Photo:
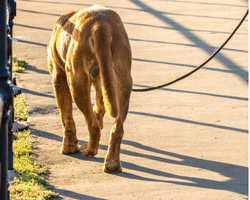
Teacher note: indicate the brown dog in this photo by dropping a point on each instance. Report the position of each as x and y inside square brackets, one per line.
[91, 47]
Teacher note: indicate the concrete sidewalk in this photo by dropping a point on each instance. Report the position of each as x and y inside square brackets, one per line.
[187, 141]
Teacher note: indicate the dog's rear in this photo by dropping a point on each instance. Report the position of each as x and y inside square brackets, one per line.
[91, 47]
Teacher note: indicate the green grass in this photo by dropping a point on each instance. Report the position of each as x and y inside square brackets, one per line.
[30, 183]
[21, 111]
[18, 65]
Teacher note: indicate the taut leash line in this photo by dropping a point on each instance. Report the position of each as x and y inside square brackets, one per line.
[198, 67]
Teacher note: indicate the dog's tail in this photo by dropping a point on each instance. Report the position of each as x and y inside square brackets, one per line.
[101, 42]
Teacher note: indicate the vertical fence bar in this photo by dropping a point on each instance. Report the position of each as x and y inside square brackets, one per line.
[6, 98]
[3, 74]
[12, 13]
[3, 40]
[4, 194]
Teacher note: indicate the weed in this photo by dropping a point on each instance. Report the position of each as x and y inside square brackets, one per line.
[18, 65]
[21, 111]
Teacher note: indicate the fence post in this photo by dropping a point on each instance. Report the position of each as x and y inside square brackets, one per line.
[6, 99]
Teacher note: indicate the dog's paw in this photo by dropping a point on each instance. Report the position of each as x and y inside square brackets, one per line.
[112, 167]
[86, 150]
[69, 150]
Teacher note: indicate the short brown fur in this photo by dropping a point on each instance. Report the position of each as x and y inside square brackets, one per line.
[91, 47]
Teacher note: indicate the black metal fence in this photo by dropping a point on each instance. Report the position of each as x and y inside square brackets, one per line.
[7, 14]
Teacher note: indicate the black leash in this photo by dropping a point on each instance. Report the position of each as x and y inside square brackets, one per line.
[200, 66]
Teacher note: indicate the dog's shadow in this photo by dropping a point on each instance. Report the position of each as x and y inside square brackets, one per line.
[236, 175]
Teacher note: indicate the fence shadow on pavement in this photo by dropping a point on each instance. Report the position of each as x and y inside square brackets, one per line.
[197, 93]
[74, 195]
[37, 93]
[189, 121]
[227, 62]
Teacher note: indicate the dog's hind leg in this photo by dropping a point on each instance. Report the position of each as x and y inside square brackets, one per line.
[112, 160]
[79, 82]
[81, 97]
[99, 109]
[64, 103]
